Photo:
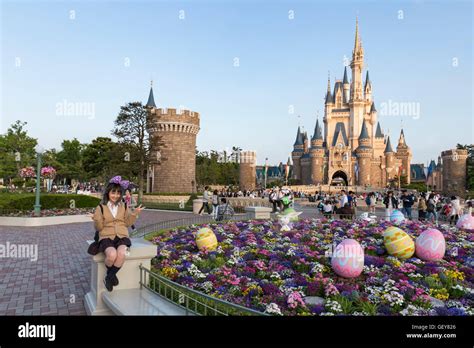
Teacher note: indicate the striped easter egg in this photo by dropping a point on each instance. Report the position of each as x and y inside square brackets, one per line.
[398, 243]
[348, 259]
[430, 245]
[466, 222]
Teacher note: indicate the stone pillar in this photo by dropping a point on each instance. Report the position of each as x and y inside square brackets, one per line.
[141, 252]
[454, 171]
[247, 170]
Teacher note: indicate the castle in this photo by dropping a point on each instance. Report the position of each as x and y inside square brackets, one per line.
[353, 150]
[449, 174]
[174, 167]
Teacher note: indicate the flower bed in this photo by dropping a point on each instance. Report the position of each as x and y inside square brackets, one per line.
[46, 212]
[258, 266]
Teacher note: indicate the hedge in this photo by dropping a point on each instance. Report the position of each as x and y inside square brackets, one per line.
[47, 201]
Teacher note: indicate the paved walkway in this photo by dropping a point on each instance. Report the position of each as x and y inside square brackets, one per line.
[56, 283]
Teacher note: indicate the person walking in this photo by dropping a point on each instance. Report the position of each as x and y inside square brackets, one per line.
[455, 210]
[215, 203]
[391, 203]
[408, 200]
[205, 201]
[422, 208]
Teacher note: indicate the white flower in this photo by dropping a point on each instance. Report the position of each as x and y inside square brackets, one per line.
[275, 275]
[195, 272]
[333, 306]
[272, 308]
[317, 268]
[327, 314]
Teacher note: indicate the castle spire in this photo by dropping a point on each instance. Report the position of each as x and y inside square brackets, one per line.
[364, 134]
[367, 79]
[345, 80]
[299, 137]
[317, 132]
[378, 132]
[388, 147]
[328, 93]
[151, 99]
[401, 140]
[357, 43]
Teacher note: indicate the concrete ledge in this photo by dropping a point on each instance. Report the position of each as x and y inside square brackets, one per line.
[259, 212]
[139, 302]
[42, 221]
[140, 253]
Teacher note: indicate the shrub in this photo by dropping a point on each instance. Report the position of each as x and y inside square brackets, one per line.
[48, 201]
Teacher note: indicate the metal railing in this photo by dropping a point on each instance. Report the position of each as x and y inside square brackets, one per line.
[192, 301]
[144, 231]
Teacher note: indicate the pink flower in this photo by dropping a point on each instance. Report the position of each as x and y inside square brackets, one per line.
[294, 299]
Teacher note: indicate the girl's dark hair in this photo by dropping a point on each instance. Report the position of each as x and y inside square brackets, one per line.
[112, 187]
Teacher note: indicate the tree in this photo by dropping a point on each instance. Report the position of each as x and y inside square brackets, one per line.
[70, 160]
[99, 158]
[131, 131]
[469, 165]
[17, 150]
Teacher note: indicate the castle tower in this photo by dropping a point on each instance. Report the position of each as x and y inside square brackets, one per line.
[390, 163]
[404, 154]
[378, 142]
[317, 156]
[247, 170]
[346, 86]
[368, 89]
[328, 106]
[364, 156]
[176, 167]
[357, 102]
[298, 151]
[454, 171]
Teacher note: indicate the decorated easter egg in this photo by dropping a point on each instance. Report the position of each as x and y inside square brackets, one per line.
[466, 222]
[206, 239]
[430, 245]
[397, 217]
[348, 259]
[398, 243]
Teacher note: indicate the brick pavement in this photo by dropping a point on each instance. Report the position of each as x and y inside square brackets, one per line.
[56, 283]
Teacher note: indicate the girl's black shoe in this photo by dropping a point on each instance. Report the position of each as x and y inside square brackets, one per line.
[115, 280]
[108, 281]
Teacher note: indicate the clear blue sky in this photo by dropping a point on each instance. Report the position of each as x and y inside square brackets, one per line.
[283, 62]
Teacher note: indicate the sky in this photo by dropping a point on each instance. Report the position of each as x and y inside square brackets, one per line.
[254, 70]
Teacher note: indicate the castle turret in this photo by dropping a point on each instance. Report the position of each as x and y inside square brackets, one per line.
[390, 165]
[368, 88]
[357, 102]
[346, 86]
[298, 151]
[329, 104]
[247, 170]
[364, 156]
[317, 156]
[378, 142]
[404, 154]
[175, 168]
[454, 171]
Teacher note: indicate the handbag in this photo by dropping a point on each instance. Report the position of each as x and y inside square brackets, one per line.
[94, 246]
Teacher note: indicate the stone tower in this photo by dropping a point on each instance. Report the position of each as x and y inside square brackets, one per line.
[298, 151]
[247, 170]
[404, 154]
[454, 171]
[317, 156]
[176, 167]
[364, 156]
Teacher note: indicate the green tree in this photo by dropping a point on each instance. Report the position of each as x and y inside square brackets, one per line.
[131, 131]
[17, 150]
[69, 160]
[98, 157]
[470, 165]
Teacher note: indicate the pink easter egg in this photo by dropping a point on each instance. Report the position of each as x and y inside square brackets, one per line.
[466, 222]
[430, 245]
[348, 259]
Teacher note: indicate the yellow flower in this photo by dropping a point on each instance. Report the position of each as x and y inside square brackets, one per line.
[440, 294]
[456, 275]
[169, 272]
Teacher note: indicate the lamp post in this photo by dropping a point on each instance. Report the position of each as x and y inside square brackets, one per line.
[39, 151]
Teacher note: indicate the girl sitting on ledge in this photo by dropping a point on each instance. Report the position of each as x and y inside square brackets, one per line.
[112, 219]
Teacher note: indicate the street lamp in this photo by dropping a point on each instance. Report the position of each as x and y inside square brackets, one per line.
[39, 151]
